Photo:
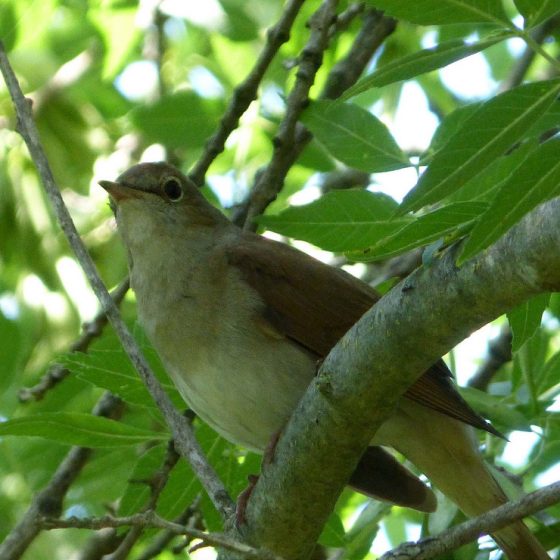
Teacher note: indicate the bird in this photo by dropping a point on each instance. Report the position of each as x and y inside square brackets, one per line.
[240, 323]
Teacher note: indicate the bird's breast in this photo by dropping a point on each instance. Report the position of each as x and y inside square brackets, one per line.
[241, 380]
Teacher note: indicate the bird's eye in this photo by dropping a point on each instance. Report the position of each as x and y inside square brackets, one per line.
[172, 189]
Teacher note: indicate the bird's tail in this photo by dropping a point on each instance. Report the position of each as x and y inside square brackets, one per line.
[446, 451]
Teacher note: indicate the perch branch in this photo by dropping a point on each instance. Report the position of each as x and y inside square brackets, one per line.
[360, 381]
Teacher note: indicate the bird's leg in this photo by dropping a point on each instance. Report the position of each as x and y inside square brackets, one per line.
[243, 498]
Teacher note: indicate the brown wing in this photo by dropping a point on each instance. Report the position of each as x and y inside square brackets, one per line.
[315, 304]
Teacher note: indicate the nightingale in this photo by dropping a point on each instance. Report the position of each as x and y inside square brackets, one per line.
[240, 322]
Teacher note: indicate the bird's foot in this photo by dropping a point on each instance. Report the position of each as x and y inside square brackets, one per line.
[243, 500]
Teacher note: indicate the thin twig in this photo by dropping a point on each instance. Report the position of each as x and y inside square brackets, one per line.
[498, 354]
[189, 518]
[310, 61]
[470, 530]
[345, 18]
[246, 92]
[150, 519]
[101, 543]
[90, 331]
[156, 482]
[50, 499]
[183, 435]
[526, 59]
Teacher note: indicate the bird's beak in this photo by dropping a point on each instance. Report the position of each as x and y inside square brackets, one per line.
[120, 192]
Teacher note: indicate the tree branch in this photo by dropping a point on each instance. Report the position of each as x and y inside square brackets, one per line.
[470, 530]
[269, 181]
[189, 518]
[418, 321]
[310, 61]
[498, 354]
[246, 92]
[150, 519]
[156, 483]
[183, 435]
[520, 69]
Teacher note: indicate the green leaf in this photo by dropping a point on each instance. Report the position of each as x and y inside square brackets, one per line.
[364, 530]
[8, 25]
[238, 25]
[137, 492]
[536, 180]
[485, 185]
[74, 428]
[487, 134]
[354, 136]
[340, 220]
[441, 12]
[180, 120]
[448, 127]
[183, 486]
[422, 230]
[536, 11]
[528, 364]
[120, 34]
[111, 369]
[10, 350]
[333, 532]
[526, 318]
[549, 380]
[421, 62]
[495, 409]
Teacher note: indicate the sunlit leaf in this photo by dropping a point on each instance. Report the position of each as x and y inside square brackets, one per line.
[537, 179]
[354, 136]
[111, 369]
[422, 231]
[420, 62]
[75, 428]
[537, 11]
[487, 134]
[120, 33]
[493, 408]
[440, 12]
[180, 120]
[525, 319]
[340, 220]
[333, 532]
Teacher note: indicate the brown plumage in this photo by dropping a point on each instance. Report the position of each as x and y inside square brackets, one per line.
[240, 322]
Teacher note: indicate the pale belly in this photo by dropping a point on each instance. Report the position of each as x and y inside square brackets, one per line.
[245, 397]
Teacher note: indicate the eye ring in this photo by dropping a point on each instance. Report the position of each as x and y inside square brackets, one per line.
[172, 189]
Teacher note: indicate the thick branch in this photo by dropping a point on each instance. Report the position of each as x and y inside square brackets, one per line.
[362, 378]
[183, 435]
[484, 524]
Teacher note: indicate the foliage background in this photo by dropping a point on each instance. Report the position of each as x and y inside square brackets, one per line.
[73, 58]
